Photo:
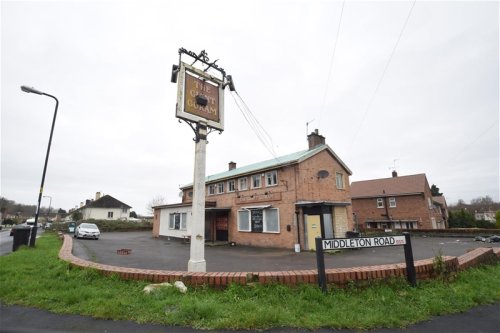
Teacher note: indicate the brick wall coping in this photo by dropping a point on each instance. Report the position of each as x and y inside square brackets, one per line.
[339, 276]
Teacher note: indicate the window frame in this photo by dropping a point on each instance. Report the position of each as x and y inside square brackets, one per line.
[265, 220]
[172, 223]
[271, 178]
[240, 180]
[392, 202]
[220, 188]
[110, 215]
[253, 179]
[211, 189]
[380, 202]
[231, 186]
[339, 176]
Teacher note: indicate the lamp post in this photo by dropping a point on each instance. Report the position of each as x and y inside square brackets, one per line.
[35, 227]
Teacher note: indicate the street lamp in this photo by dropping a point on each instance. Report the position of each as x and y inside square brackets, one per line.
[35, 227]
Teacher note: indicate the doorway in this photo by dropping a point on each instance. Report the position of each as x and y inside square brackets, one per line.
[313, 230]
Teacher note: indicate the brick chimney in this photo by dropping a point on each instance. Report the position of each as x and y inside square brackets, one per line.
[315, 139]
[394, 174]
[232, 165]
[98, 195]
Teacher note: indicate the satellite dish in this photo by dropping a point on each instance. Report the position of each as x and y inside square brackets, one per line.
[323, 174]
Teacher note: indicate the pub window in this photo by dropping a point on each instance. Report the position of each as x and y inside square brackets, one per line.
[272, 178]
[259, 220]
[380, 203]
[256, 181]
[231, 186]
[177, 221]
[339, 180]
[220, 188]
[242, 184]
[211, 189]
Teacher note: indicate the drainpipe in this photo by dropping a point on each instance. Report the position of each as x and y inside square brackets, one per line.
[297, 216]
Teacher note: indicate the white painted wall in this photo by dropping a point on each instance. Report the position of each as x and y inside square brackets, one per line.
[102, 213]
[165, 218]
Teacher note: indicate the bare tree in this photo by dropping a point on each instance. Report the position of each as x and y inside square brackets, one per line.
[158, 200]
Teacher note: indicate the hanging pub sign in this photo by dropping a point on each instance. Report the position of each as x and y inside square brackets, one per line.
[200, 97]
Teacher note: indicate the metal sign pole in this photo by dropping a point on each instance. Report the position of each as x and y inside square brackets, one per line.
[197, 261]
[411, 275]
[320, 260]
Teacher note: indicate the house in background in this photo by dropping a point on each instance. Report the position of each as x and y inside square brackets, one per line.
[104, 208]
[486, 216]
[284, 202]
[400, 202]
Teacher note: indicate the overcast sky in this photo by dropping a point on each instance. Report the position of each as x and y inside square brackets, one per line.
[382, 81]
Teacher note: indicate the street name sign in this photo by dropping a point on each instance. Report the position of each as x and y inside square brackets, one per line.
[356, 243]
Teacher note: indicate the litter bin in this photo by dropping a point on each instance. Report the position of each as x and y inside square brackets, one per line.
[71, 227]
[21, 237]
[352, 234]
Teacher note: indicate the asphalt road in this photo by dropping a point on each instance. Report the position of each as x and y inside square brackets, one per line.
[162, 253]
[6, 241]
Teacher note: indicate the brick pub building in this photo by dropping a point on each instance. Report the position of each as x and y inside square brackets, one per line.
[284, 202]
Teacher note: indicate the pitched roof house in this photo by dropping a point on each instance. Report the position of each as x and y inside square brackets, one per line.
[105, 208]
[283, 202]
[400, 202]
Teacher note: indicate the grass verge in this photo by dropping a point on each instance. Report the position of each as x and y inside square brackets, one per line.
[36, 277]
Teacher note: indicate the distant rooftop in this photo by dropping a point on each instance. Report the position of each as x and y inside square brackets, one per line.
[389, 186]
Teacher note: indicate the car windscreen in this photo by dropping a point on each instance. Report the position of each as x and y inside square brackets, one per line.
[88, 226]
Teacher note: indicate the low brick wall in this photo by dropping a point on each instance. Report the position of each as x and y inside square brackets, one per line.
[339, 276]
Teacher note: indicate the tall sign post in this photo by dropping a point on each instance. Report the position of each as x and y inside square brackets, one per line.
[200, 103]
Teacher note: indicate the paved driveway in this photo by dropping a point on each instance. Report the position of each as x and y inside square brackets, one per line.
[162, 253]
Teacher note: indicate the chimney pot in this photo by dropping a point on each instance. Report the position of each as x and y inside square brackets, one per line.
[315, 139]
[394, 174]
[97, 195]
[232, 165]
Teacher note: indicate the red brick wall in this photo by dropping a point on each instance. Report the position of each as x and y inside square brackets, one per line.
[414, 207]
[156, 223]
[338, 276]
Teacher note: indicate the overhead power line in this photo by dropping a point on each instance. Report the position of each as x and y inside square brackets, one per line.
[254, 124]
[372, 98]
[331, 63]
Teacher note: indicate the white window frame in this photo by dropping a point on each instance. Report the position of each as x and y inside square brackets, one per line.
[392, 202]
[110, 215]
[339, 180]
[271, 178]
[182, 221]
[239, 221]
[265, 226]
[255, 178]
[211, 189]
[243, 181]
[380, 202]
[231, 185]
[220, 188]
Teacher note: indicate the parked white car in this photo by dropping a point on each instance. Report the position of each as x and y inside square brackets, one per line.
[87, 230]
